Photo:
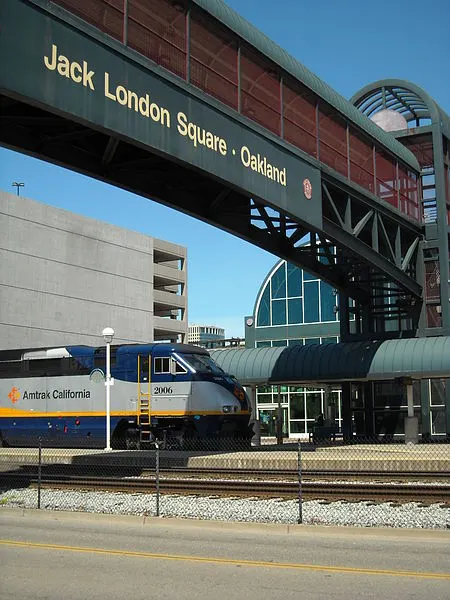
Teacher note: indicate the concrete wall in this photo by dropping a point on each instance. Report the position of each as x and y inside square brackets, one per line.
[63, 278]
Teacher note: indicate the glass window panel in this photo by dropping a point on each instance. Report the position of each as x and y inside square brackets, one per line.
[330, 340]
[157, 29]
[432, 280]
[265, 398]
[213, 60]
[264, 344]
[333, 142]
[389, 394]
[295, 311]
[389, 422]
[264, 388]
[263, 316]
[267, 422]
[413, 195]
[434, 318]
[106, 15]
[327, 303]
[299, 114]
[309, 276]
[386, 178]
[297, 406]
[437, 420]
[297, 426]
[278, 282]
[437, 392]
[260, 91]
[311, 341]
[296, 388]
[296, 342]
[278, 343]
[294, 280]
[278, 312]
[361, 161]
[311, 300]
[313, 404]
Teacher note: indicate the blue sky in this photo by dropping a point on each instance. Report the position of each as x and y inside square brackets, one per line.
[348, 45]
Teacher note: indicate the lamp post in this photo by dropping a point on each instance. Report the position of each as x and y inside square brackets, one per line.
[18, 185]
[108, 334]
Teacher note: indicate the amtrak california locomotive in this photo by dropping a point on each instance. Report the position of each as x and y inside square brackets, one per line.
[159, 391]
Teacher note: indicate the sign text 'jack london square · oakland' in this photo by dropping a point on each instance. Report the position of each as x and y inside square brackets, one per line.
[66, 70]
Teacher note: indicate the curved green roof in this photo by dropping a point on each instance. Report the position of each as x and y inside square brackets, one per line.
[436, 113]
[245, 30]
[418, 358]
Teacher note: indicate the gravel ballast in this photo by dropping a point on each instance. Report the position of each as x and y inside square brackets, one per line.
[357, 514]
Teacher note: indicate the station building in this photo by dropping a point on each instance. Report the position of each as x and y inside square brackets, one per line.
[64, 277]
[293, 307]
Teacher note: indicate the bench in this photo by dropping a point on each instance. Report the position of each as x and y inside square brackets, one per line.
[322, 433]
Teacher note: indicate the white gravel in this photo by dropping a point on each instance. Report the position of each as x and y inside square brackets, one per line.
[358, 514]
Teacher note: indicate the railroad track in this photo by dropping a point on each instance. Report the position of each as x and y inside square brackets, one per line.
[118, 471]
[351, 491]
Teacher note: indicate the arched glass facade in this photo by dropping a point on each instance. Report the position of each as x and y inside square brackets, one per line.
[291, 296]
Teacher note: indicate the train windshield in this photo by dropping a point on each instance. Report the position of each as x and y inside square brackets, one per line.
[201, 363]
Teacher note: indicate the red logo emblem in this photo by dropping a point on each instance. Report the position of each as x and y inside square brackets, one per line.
[307, 189]
[14, 395]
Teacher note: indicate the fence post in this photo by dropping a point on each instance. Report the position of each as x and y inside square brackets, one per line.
[157, 475]
[39, 473]
[300, 500]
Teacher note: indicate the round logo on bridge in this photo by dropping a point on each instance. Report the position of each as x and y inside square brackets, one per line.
[307, 189]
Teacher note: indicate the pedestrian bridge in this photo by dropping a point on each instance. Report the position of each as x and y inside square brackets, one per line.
[186, 103]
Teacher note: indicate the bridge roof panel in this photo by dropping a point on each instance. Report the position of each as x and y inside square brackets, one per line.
[246, 31]
[417, 358]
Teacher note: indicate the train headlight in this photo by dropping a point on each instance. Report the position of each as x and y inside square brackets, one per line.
[239, 393]
[227, 408]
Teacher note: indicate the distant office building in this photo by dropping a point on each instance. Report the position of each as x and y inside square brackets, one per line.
[64, 277]
[201, 334]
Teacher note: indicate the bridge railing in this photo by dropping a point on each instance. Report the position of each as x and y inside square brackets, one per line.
[204, 52]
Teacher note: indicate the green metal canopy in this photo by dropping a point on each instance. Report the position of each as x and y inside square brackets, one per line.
[417, 358]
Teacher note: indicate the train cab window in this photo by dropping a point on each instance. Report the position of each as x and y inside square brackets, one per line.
[178, 368]
[100, 357]
[162, 365]
[11, 368]
[45, 367]
[144, 366]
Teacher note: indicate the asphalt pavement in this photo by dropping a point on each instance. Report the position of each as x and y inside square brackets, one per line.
[53, 555]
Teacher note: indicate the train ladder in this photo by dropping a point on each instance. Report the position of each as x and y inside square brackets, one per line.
[144, 398]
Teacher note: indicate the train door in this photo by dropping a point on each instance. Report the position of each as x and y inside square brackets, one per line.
[144, 412]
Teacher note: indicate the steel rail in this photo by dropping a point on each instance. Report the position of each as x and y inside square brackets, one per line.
[101, 470]
[324, 490]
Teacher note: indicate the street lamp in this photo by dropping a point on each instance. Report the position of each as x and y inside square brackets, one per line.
[108, 334]
[18, 185]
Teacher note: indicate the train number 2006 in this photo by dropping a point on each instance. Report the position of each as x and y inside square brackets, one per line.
[162, 390]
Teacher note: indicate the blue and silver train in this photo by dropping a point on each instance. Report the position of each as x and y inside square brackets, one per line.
[171, 392]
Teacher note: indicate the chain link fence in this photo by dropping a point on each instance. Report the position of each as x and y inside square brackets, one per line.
[322, 481]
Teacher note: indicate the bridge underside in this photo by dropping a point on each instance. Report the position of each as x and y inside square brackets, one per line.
[366, 251]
